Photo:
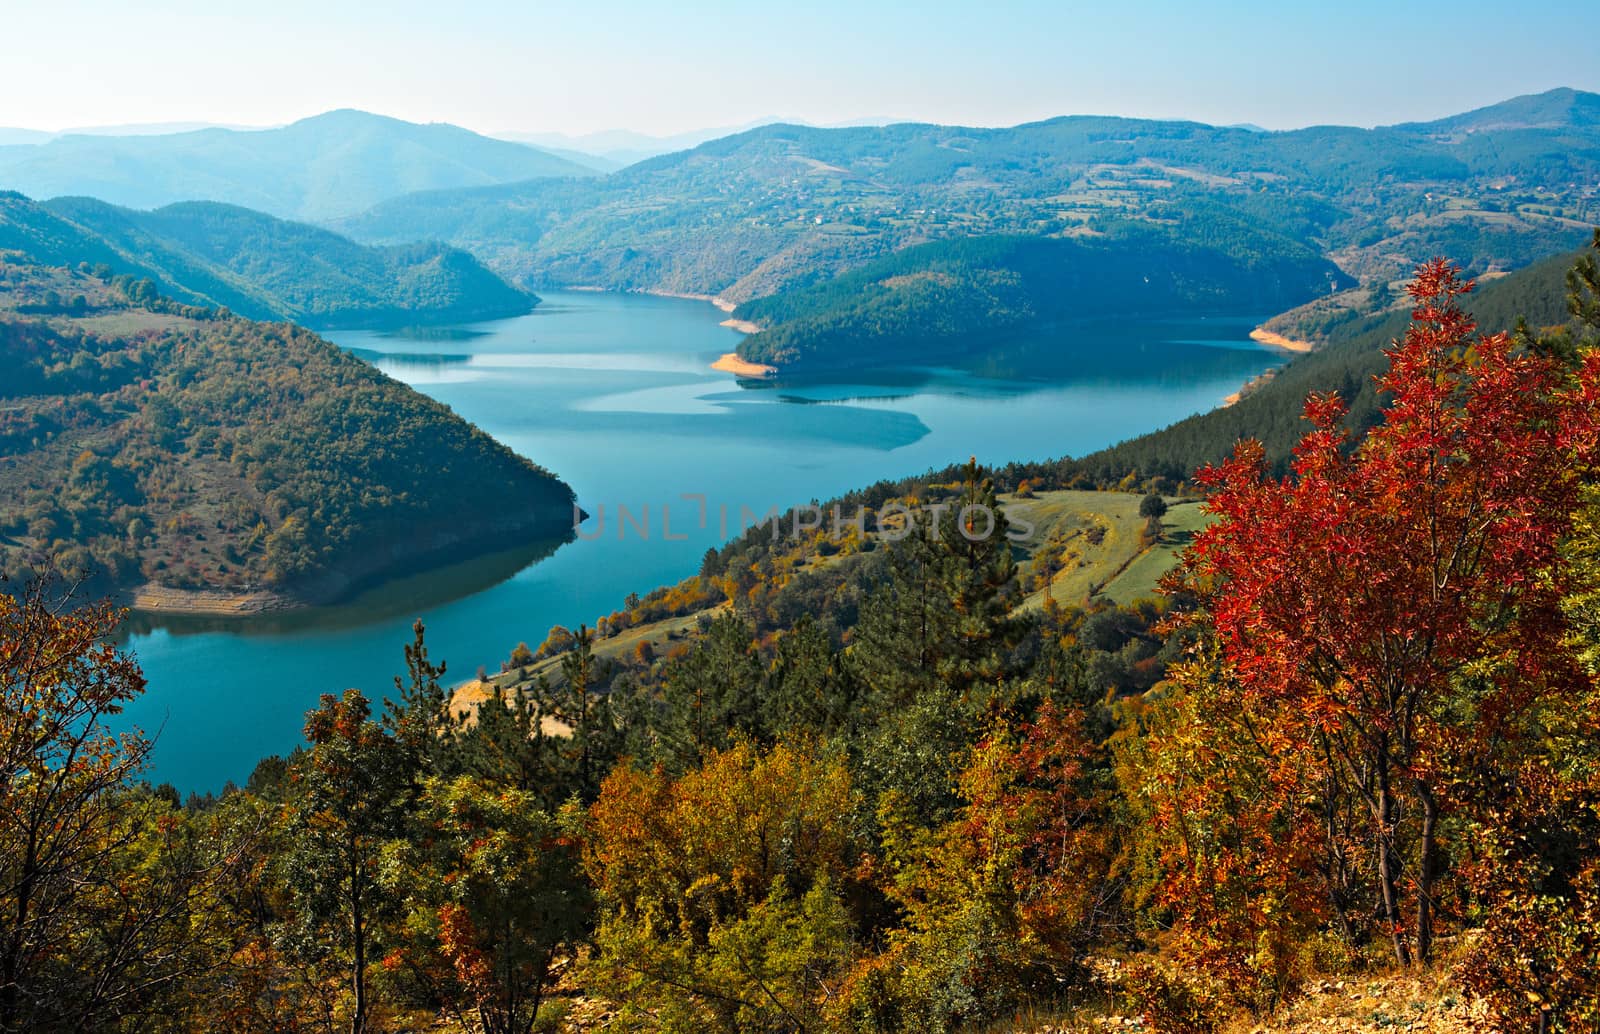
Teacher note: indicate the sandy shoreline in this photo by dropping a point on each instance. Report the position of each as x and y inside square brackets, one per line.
[1266, 337]
[1262, 336]
[163, 599]
[742, 326]
[731, 363]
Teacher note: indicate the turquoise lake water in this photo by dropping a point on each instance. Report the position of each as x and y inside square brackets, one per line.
[614, 394]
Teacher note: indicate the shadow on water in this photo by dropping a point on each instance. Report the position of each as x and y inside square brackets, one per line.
[373, 600]
[415, 360]
[433, 333]
[1158, 353]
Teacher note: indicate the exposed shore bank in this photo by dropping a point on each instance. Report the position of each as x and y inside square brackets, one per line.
[164, 599]
[1251, 386]
[1263, 336]
[421, 550]
[731, 363]
[717, 300]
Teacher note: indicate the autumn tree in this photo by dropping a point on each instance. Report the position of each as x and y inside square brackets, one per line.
[1535, 851]
[107, 904]
[1389, 610]
[1215, 850]
[724, 893]
[352, 790]
[492, 894]
[1001, 903]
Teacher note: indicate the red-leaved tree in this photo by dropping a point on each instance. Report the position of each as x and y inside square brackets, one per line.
[1389, 611]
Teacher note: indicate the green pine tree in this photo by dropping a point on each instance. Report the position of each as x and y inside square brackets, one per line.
[716, 691]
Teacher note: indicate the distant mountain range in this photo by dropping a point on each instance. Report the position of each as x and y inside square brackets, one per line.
[333, 165]
[215, 255]
[781, 206]
[1552, 110]
[618, 148]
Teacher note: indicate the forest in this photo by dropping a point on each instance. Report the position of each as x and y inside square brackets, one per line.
[1530, 302]
[222, 256]
[143, 440]
[1356, 733]
[941, 299]
[782, 207]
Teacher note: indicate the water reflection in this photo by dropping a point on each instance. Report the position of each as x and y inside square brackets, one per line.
[378, 599]
[417, 360]
[615, 395]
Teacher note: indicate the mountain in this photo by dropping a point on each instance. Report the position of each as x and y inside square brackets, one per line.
[204, 253]
[169, 450]
[618, 148]
[334, 164]
[781, 205]
[1554, 109]
[149, 129]
[933, 300]
[23, 137]
[623, 147]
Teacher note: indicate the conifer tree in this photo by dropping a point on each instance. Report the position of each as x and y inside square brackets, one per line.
[590, 748]
[807, 690]
[420, 719]
[943, 617]
[713, 692]
[507, 746]
[354, 787]
[978, 585]
[905, 626]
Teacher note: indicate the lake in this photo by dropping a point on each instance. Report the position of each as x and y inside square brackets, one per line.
[614, 394]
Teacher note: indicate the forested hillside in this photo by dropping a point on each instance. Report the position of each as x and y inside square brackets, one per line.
[1273, 413]
[330, 165]
[781, 206]
[935, 299]
[144, 441]
[1352, 747]
[260, 267]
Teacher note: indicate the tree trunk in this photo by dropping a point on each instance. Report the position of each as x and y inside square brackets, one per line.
[1336, 869]
[1387, 863]
[15, 942]
[358, 929]
[1426, 851]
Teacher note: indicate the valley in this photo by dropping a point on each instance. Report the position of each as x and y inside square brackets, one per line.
[1063, 574]
[614, 393]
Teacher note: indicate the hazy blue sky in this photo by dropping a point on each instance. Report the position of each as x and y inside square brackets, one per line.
[570, 66]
